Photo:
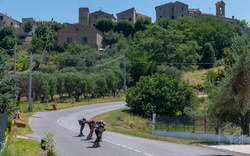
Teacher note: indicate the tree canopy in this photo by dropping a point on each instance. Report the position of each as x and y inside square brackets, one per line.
[230, 94]
[28, 26]
[7, 90]
[7, 37]
[125, 27]
[160, 94]
[105, 25]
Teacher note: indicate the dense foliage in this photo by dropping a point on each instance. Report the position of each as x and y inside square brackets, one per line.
[79, 71]
[7, 90]
[43, 38]
[105, 25]
[7, 37]
[28, 26]
[229, 90]
[185, 43]
[160, 94]
[141, 23]
[125, 27]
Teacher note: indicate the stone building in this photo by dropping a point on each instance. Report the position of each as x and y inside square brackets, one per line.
[220, 12]
[81, 34]
[130, 15]
[194, 12]
[220, 9]
[20, 30]
[84, 16]
[93, 17]
[172, 10]
[87, 18]
[6, 20]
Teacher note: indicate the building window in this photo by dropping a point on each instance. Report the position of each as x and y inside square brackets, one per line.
[107, 17]
[182, 9]
[172, 17]
[11, 24]
[129, 19]
[93, 25]
[160, 9]
[160, 16]
[182, 15]
[84, 39]
[1, 17]
[77, 29]
[69, 39]
[172, 9]
[95, 16]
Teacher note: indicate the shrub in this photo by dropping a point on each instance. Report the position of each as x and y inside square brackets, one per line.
[161, 94]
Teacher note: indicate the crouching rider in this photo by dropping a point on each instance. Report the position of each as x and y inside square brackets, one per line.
[91, 124]
[82, 124]
[98, 131]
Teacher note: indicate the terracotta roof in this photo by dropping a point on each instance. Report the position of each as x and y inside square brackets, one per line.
[126, 10]
[10, 18]
[170, 3]
[207, 14]
[103, 12]
[86, 26]
[143, 15]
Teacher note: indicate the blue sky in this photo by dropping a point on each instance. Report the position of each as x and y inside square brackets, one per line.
[67, 10]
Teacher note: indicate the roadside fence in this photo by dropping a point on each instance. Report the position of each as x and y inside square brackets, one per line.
[198, 128]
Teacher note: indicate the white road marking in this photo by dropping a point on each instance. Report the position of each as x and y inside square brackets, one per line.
[59, 122]
[124, 146]
[137, 151]
[147, 154]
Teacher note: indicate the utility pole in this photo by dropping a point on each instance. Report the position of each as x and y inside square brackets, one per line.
[30, 80]
[124, 81]
[50, 32]
[15, 69]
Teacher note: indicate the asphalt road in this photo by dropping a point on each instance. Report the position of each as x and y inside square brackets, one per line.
[64, 125]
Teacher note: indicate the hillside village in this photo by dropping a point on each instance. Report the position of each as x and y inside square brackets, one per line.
[183, 78]
[83, 34]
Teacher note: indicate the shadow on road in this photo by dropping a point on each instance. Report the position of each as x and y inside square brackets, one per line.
[217, 155]
[78, 136]
[92, 147]
[205, 142]
[89, 141]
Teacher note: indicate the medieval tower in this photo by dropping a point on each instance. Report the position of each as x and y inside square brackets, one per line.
[84, 16]
[220, 8]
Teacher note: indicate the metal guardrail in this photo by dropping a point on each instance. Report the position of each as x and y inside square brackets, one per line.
[3, 128]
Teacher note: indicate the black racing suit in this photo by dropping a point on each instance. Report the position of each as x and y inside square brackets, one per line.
[98, 131]
[82, 127]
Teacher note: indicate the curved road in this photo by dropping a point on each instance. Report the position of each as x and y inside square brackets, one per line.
[64, 125]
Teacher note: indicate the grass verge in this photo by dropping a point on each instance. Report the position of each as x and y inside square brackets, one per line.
[121, 121]
[20, 147]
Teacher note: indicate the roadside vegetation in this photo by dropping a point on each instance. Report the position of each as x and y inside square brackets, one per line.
[210, 53]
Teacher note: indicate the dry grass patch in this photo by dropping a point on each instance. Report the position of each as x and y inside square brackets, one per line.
[198, 76]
